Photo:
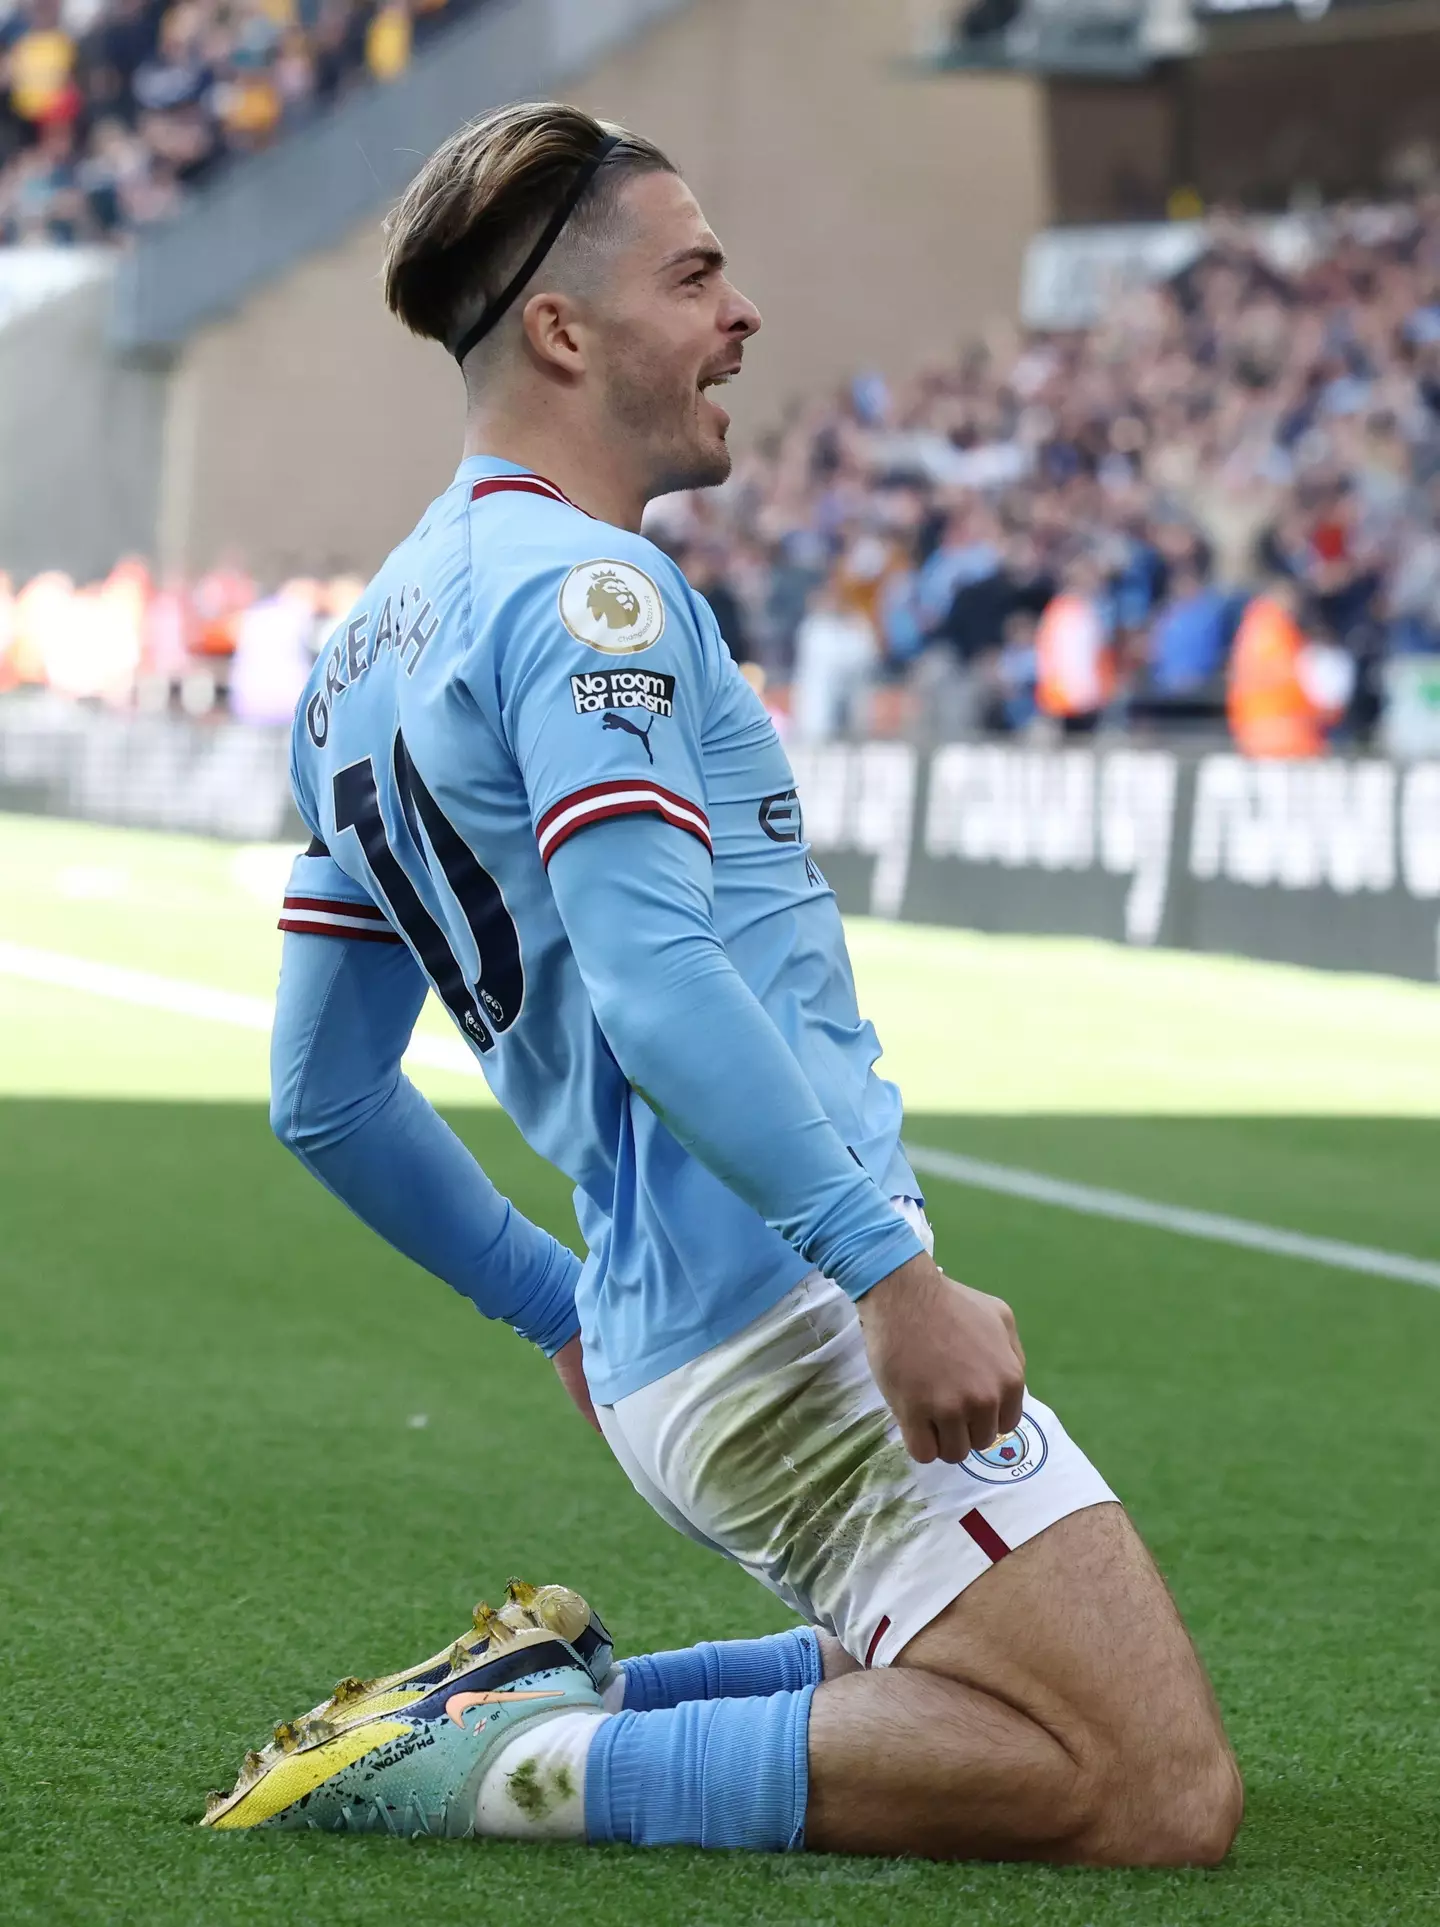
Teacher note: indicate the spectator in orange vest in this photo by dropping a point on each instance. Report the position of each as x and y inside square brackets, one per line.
[219, 599]
[1074, 659]
[1282, 694]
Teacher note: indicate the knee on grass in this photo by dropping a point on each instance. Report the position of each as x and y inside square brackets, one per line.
[1154, 1801]
[1164, 1806]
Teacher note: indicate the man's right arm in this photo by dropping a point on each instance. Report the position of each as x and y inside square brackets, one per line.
[691, 1037]
[634, 895]
[621, 822]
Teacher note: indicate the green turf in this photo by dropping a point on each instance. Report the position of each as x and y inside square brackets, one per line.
[215, 1501]
[971, 1024]
[214, 1498]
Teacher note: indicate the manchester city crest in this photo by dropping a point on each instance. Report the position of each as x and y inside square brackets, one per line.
[1013, 1456]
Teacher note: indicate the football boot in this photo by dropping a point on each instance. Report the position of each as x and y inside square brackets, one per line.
[414, 1770]
[532, 1617]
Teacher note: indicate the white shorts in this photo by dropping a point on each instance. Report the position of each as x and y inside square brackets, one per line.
[777, 1449]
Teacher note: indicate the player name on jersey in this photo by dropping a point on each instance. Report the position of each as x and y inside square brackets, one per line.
[623, 689]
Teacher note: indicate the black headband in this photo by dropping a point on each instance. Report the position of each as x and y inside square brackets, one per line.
[479, 329]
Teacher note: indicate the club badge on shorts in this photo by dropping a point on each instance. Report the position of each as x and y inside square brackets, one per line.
[613, 607]
[1014, 1456]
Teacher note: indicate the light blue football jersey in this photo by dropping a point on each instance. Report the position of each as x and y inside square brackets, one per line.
[516, 673]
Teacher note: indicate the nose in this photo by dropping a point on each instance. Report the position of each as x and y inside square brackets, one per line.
[741, 318]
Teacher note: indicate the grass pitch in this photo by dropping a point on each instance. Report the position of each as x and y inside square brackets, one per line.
[245, 1449]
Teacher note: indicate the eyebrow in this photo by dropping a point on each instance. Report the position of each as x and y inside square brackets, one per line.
[711, 254]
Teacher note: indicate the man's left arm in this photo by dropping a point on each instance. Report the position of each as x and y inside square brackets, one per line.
[341, 1103]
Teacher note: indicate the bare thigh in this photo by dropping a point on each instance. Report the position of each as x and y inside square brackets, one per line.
[1056, 1710]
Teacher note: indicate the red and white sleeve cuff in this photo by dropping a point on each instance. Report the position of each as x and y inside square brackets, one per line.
[336, 917]
[632, 797]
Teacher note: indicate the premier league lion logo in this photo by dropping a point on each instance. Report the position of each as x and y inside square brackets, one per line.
[612, 600]
[612, 606]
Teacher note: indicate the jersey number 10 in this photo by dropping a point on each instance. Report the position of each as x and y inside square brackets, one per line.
[492, 1003]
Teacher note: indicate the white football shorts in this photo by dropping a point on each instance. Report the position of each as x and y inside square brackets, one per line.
[777, 1449]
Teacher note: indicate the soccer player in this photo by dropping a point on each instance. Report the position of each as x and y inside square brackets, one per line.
[537, 783]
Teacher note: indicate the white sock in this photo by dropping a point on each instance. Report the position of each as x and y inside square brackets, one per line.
[613, 1697]
[535, 1788]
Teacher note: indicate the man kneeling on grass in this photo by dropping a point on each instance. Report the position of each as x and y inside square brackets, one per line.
[536, 782]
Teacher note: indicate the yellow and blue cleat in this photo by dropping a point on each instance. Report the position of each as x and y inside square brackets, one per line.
[405, 1754]
[530, 1613]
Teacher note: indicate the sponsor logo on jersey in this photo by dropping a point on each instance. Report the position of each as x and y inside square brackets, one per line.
[613, 607]
[613, 721]
[780, 817]
[783, 821]
[601, 689]
[1014, 1456]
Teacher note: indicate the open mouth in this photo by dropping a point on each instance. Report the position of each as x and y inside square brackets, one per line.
[707, 383]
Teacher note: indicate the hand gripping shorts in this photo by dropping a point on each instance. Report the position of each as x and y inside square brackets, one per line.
[777, 1449]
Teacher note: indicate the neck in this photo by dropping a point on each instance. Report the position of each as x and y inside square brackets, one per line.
[574, 455]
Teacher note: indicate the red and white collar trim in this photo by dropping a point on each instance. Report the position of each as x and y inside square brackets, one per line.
[520, 485]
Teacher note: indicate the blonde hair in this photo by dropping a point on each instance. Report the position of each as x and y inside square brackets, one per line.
[463, 225]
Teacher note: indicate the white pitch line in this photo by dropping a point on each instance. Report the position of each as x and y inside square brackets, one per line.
[1095, 1202]
[56, 970]
[176, 998]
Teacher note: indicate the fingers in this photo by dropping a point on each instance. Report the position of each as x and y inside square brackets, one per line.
[951, 1368]
[982, 1423]
[1012, 1332]
[1012, 1397]
[955, 1445]
[1019, 1368]
[1012, 1406]
[920, 1440]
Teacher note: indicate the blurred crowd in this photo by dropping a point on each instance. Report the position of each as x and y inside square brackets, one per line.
[1223, 498]
[111, 111]
[1218, 508]
[222, 644]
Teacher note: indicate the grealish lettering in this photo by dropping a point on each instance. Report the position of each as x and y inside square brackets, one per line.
[360, 646]
[423, 625]
[384, 630]
[355, 659]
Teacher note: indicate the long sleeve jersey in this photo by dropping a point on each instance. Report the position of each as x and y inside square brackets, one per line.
[528, 757]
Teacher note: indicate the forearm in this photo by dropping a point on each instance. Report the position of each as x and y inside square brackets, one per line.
[404, 1173]
[698, 1046]
[341, 1104]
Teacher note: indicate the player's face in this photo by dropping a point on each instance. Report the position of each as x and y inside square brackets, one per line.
[672, 330]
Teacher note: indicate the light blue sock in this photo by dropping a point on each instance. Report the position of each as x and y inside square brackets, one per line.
[711, 1773]
[731, 1669]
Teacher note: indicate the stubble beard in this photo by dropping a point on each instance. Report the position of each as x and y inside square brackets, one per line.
[659, 419]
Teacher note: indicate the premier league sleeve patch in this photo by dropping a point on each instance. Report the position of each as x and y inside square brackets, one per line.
[613, 607]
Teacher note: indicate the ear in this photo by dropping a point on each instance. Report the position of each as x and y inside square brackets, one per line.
[552, 333]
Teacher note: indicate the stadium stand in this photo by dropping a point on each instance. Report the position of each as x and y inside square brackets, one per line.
[1078, 527]
[1074, 532]
[113, 111]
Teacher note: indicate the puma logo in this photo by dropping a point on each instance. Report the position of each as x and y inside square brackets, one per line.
[459, 1704]
[615, 721]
